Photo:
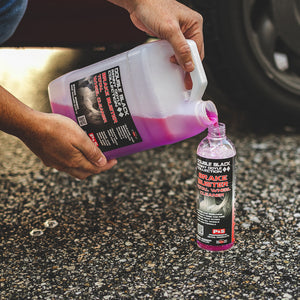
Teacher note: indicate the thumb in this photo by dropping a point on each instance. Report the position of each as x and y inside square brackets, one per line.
[92, 152]
[182, 51]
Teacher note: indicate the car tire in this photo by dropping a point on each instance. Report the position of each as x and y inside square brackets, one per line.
[243, 41]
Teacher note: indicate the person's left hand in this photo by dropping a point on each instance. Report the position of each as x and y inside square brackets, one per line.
[60, 143]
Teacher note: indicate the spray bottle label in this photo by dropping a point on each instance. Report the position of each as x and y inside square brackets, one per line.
[101, 110]
[215, 201]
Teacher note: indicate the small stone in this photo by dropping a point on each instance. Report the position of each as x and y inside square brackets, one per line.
[99, 283]
[151, 264]
[198, 292]
[36, 232]
[39, 177]
[188, 271]
[254, 218]
[190, 181]
[69, 268]
[287, 296]
[50, 223]
[261, 146]
[279, 267]
[171, 193]
[246, 225]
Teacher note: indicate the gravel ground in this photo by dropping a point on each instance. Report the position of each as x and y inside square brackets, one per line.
[129, 233]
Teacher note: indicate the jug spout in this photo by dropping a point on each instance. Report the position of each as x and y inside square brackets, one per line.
[206, 112]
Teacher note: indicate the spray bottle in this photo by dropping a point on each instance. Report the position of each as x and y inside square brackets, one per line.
[215, 190]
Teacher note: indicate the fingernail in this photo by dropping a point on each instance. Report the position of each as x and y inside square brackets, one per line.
[101, 162]
[189, 66]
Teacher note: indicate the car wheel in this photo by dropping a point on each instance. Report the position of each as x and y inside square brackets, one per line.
[253, 50]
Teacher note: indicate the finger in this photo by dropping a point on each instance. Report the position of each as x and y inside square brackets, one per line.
[182, 51]
[187, 77]
[202, 55]
[173, 60]
[86, 166]
[97, 170]
[79, 174]
[202, 52]
[92, 153]
[188, 81]
[83, 173]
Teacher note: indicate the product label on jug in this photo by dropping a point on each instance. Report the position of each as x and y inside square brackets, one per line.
[215, 207]
[101, 110]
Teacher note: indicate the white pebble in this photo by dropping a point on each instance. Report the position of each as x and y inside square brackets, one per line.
[254, 219]
[246, 225]
[36, 232]
[50, 223]
[287, 296]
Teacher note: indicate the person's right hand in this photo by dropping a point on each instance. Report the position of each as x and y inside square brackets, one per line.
[60, 143]
[172, 21]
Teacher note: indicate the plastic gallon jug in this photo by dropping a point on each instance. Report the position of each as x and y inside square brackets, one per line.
[136, 100]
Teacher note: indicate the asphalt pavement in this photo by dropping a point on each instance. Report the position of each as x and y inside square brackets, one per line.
[129, 233]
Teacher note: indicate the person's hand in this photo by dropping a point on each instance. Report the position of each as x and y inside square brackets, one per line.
[172, 21]
[57, 140]
[60, 143]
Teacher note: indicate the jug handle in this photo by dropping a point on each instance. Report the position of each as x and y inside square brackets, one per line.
[198, 74]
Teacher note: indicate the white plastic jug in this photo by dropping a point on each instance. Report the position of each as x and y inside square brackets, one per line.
[135, 100]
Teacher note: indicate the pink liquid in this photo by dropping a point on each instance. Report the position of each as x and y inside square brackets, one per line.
[219, 153]
[215, 120]
[214, 248]
[155, 132]
[65, 110]
[213, 117]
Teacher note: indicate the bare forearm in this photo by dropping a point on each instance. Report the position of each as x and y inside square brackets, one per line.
[57, 140]
[169, 20]
[16, 118]
[127, 4]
